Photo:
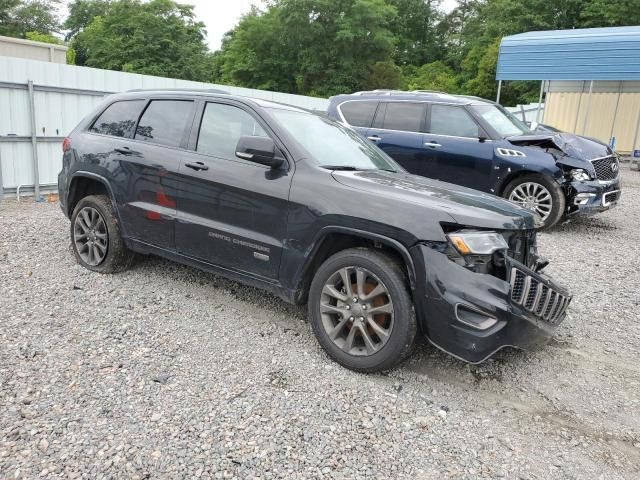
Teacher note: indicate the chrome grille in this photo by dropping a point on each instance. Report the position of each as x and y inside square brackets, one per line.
[606, 168]
[538, 298]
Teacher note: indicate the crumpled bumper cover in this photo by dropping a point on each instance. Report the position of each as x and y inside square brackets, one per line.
[443, 287]
[592, 196]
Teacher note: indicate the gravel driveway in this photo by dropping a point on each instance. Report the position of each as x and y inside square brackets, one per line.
[167, 372]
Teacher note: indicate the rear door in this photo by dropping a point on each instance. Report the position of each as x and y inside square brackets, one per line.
[149, 165]
[141, 140]
[397, 129]
[456, 148]
[231, 212]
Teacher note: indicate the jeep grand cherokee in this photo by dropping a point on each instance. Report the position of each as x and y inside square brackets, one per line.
[299, 205]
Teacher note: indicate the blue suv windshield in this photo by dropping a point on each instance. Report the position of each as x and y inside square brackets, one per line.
[332, 145]
[501, 120]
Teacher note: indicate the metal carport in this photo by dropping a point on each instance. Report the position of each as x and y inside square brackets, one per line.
[578, 68]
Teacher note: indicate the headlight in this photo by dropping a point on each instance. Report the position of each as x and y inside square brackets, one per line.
[477, 243]
[580, 175]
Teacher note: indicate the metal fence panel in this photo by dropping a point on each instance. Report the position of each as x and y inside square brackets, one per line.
[63, 95]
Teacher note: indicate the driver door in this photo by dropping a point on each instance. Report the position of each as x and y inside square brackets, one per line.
[231, 212]
[456, 148]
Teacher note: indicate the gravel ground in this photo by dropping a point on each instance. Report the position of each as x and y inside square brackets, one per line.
[167, 372]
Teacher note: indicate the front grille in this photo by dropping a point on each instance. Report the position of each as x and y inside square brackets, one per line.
[538, 298]
[606, 168]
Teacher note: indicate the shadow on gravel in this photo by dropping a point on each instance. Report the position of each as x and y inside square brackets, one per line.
[576, 224]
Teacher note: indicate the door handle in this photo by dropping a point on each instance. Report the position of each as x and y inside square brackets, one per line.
[197, 166]
[374, 138]
[432, 144]
[123, 150]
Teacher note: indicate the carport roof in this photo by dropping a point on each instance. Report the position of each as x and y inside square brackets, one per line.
[581, 54]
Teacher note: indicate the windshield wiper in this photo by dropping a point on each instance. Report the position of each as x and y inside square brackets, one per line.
[343, 167]
[350, 168]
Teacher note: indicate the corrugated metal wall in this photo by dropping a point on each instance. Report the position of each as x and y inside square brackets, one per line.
[63, 95]
[567, 105]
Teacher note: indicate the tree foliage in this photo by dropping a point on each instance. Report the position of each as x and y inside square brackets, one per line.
[159, 37]
[19, 17]
[316, 47]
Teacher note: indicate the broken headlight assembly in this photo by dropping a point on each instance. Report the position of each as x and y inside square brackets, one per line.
[481, 252]
[579, 175]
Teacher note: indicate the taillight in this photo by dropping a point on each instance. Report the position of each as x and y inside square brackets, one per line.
[66, 144]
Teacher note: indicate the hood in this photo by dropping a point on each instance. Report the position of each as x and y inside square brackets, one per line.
[465, 206]
[569, 144]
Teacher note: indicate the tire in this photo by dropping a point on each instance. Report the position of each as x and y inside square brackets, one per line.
[103, 231]
[530, 187]
[391, 341]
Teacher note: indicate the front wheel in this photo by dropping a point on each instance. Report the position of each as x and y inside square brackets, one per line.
[360, 310]
[540, 194]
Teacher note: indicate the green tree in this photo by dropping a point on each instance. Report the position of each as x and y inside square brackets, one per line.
[385, 75]
[82, 13]
[17, 17]
[418, 41]
[160, 37]
[313, 47]
[611, 13]
[436, 76]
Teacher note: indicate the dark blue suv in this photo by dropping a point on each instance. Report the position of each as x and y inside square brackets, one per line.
[476, 143]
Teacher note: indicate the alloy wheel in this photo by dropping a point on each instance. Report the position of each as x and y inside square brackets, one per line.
[90, 236]
[533, 196]
[356, 311]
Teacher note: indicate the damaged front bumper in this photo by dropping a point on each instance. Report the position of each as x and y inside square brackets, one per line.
[593, 196]
[472, 315]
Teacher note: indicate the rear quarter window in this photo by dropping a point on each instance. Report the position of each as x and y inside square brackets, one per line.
[359, 113]
[119, 119]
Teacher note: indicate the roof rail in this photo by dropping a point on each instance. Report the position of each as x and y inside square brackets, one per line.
[207, 90]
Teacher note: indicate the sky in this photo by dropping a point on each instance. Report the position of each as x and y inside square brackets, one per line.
[220, 16]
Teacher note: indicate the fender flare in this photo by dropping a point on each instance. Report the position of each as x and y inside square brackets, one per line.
[99, 178]
[324, 231]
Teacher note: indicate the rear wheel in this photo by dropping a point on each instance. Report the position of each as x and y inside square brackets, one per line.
[95, 236]
[360, 310]
[540, 194]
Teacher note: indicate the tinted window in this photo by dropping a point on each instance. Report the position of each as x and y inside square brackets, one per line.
[119, 119]
[404, 116]
[164, 122]
[359, 114]
[454, 121]
[222, 126]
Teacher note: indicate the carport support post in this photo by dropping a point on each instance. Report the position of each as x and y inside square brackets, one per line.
[540, 101]
[635, 137]
[499, 90]
[615, 112]
[34, 143]
[586, 113]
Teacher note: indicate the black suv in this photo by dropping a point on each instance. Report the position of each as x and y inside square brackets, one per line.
[301, 206]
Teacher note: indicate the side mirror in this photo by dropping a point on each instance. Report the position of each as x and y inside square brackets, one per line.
[261, 150]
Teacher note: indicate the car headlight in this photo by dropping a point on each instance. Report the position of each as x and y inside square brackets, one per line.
[477, 243]
[580, 175]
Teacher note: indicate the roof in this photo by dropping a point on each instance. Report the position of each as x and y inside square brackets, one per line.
[209, 92]
[581, 54]
[395, 95]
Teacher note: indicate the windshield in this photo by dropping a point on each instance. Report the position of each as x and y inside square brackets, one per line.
[501, 120]
[330, 144]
